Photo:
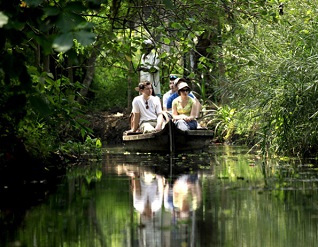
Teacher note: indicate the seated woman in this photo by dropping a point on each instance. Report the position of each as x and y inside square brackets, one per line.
[184, 109]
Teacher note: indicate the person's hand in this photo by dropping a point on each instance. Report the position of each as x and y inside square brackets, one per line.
[158, 128]
[187, 119]
[184, 117]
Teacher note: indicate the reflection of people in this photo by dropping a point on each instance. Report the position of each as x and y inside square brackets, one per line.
[184, 109]
[147, 111]
[149, 66]
[148, 191]
[184, 197]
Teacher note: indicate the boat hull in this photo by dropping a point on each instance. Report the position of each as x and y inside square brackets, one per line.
[170, 139]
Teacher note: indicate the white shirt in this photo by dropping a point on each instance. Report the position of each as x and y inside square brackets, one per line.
[139, 106]
[151, 60]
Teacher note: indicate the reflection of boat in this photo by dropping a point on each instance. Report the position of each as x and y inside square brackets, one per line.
[170, 138]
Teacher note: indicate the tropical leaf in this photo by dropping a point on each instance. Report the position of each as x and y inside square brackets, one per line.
[63, 43]
[84, 37]
[3, 19]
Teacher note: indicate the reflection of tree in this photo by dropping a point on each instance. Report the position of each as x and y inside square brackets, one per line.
[86, 213]
[96, 223]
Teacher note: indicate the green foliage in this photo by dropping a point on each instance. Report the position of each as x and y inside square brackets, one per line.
[91, 149]
[39, 109]
[223, 122]
[109, 91]
[254, 60]
[274, 78]
[52, 114]
[68, 22]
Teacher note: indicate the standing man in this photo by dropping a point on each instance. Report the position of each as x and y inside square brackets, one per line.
[147, 111]
[149, 69]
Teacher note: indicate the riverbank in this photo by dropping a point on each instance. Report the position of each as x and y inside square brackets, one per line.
[109, 126]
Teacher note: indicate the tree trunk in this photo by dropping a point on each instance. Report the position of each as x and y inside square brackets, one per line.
[88, 77]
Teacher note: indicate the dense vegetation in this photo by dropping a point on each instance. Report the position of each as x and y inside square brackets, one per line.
[252, 64]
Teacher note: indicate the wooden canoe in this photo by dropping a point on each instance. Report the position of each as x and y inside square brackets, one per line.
[170, 139]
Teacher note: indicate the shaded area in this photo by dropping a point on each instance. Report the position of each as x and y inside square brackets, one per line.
[24, 185]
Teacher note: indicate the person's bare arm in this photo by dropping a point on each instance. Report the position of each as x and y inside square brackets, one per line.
[159, 122]
[194, 111]
[135, 123]
[175, 114]
[198, 108]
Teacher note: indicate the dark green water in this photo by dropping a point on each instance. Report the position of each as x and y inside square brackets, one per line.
[225, 197]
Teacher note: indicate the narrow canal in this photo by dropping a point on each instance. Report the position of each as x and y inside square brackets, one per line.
[226, 196]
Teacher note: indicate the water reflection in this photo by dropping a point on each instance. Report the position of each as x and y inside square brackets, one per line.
[165, 207]
[182, 199]
[227, 197]
[147, 190]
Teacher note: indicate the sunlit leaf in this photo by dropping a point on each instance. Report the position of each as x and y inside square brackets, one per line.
[128, 58]
[3, 19]
[63, 42]
[98, 143]
[175, 25]
[163, 55]
[98, 174]
[166, 41]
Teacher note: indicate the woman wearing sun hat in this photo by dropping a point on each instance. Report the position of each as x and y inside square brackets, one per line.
[184, 109]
